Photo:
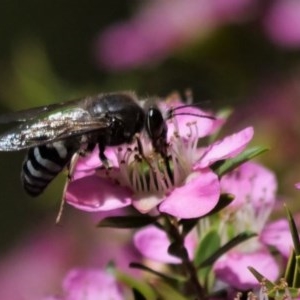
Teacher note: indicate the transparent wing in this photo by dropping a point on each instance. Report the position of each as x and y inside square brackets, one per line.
[32, 113]
[54, 126]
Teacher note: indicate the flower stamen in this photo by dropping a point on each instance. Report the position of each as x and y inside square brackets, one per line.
[149, 173]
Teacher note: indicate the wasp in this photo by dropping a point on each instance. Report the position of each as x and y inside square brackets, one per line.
[53, 134]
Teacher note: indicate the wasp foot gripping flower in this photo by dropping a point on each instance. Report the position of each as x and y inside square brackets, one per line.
[254, 188]
[180, 184]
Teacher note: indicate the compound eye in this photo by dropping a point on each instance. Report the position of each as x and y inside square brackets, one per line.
[155, 123]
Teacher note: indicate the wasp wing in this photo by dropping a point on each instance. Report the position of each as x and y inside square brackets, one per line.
[51, 127]
[32, 113]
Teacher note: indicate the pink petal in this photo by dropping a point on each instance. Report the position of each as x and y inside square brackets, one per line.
[233, 10]
[36, 264]
[91, 284]
[89, 161]
[205, 126]
[146, 203]
[93, 193]
[81, 174]
[251, 181]
[162, 27]
[188, 114]
[92, 161]
[198, 196]
[87, 165]
[153, 243]
[297, 185]
[278, 234]
[229, 147]
[152, 33]
[282, 23]
[232, 268]
[264, 185]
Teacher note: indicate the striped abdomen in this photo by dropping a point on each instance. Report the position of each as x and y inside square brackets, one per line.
[42, 164]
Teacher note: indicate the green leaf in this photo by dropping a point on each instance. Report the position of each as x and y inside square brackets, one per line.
[290, 269]
[293, 271]
[171, 278]
[208, 245]
[127, 221]
[280, 293]
[140, 286]
[232, 163]
[296, 279]
[294, 292]
[137, 295]
[294, 231]
[225, 248]
[216, 165]
[206, 278]
[165, 291]
[260, 278]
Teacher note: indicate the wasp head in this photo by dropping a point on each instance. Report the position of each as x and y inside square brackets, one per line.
[156, 129]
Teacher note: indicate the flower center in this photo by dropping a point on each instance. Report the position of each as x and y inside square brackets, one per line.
[146, 171]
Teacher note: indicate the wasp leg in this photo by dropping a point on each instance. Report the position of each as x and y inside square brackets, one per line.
[168, 167]
[166, 158]
[71, 168]
[141, 151]
[102, 155]
[88, 149]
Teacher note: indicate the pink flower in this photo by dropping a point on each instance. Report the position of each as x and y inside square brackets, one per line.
[37, 264]
[252, 185]
[277, 234]
[34, 268]
[153, 243]
[282, 23]
[255, 190]
[147, 184]
[89, 284]
[232, 268]
[161, 27]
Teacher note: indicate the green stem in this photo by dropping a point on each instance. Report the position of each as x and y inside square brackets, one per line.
[177, 239]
